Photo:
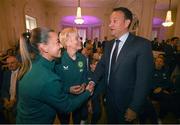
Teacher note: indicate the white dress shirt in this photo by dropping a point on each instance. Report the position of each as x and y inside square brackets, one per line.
[122, 39]
[12, 89]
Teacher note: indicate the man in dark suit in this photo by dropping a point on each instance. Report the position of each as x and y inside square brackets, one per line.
[103, 42]
[170, 50]
[96, 44]
[8, 91]
[127, 66]
[2, 119]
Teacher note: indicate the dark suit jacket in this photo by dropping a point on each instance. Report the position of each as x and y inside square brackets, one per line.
[1, 75]
[5, 89]
[132, 75]
[6, 84]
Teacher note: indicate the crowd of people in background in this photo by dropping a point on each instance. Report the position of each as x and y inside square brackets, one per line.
[165, 87]
[169, 48]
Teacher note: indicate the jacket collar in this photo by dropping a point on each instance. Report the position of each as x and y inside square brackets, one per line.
[48, 64]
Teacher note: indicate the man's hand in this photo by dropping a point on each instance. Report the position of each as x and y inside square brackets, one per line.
[9, 103]
[130, 115]
[6, 103]
[166, 92]
[90, 87]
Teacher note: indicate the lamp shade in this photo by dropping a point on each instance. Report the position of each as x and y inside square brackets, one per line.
[79, 19]
[168, 22]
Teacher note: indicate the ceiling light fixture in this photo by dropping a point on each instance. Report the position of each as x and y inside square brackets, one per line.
[168, 22]
[79, 19]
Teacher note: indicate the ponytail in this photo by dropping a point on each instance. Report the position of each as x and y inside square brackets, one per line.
[29, 47]
[25, 57]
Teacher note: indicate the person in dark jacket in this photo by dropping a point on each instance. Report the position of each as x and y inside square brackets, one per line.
[127, 67]
[161, 87]
[94, 102]
[8, 91]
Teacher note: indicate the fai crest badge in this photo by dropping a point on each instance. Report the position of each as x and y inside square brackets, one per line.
[80, 64]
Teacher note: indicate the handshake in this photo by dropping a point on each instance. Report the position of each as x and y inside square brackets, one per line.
[78, 89]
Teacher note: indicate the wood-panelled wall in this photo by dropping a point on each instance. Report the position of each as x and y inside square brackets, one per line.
[12, 19]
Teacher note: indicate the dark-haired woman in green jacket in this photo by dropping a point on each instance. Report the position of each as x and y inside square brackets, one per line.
[40, 90]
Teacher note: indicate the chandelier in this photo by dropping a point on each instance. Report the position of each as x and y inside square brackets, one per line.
[79, 19]
[168, 22]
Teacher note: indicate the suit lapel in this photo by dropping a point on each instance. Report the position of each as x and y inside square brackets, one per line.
[123, 53]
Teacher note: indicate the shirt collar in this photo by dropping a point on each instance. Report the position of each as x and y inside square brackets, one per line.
[14, 71]
[67, 56]
[124, 37]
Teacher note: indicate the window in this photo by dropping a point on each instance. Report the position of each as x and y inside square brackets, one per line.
[95, 32]
[30, 22]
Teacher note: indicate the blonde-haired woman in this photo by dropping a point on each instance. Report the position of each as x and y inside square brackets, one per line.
[40, 92]
[73, 70]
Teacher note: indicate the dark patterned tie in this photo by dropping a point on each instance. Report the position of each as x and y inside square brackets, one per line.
[114, 56]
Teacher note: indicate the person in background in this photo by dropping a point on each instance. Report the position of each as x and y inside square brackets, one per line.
[2, 117]
[40, 89]
[8, 91]
[1, 75]
[127, 66]
[161, 87]
[98, 54]
[87, 53]
[96, 44]
[81, 39]
[161, 78]
[95, 100]
[157, 45]
[1, 70]
[170, 53]
[73, 71]
[104, 41]
[1, 105]
[86, 41]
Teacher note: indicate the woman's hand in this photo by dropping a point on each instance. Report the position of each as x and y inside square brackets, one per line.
[157, 90]
[76, 89]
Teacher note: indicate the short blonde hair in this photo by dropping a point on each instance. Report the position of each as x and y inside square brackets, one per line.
[65, 35]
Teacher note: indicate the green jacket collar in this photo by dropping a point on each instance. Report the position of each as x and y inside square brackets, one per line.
[48, 64]
[67, 56]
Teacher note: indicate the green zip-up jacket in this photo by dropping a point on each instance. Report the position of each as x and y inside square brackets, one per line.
[72, 72]
[41, 94]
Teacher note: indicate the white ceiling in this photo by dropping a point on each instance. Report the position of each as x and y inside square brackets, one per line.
[160, 4]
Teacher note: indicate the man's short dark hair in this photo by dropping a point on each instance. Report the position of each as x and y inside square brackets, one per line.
[127, 13]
